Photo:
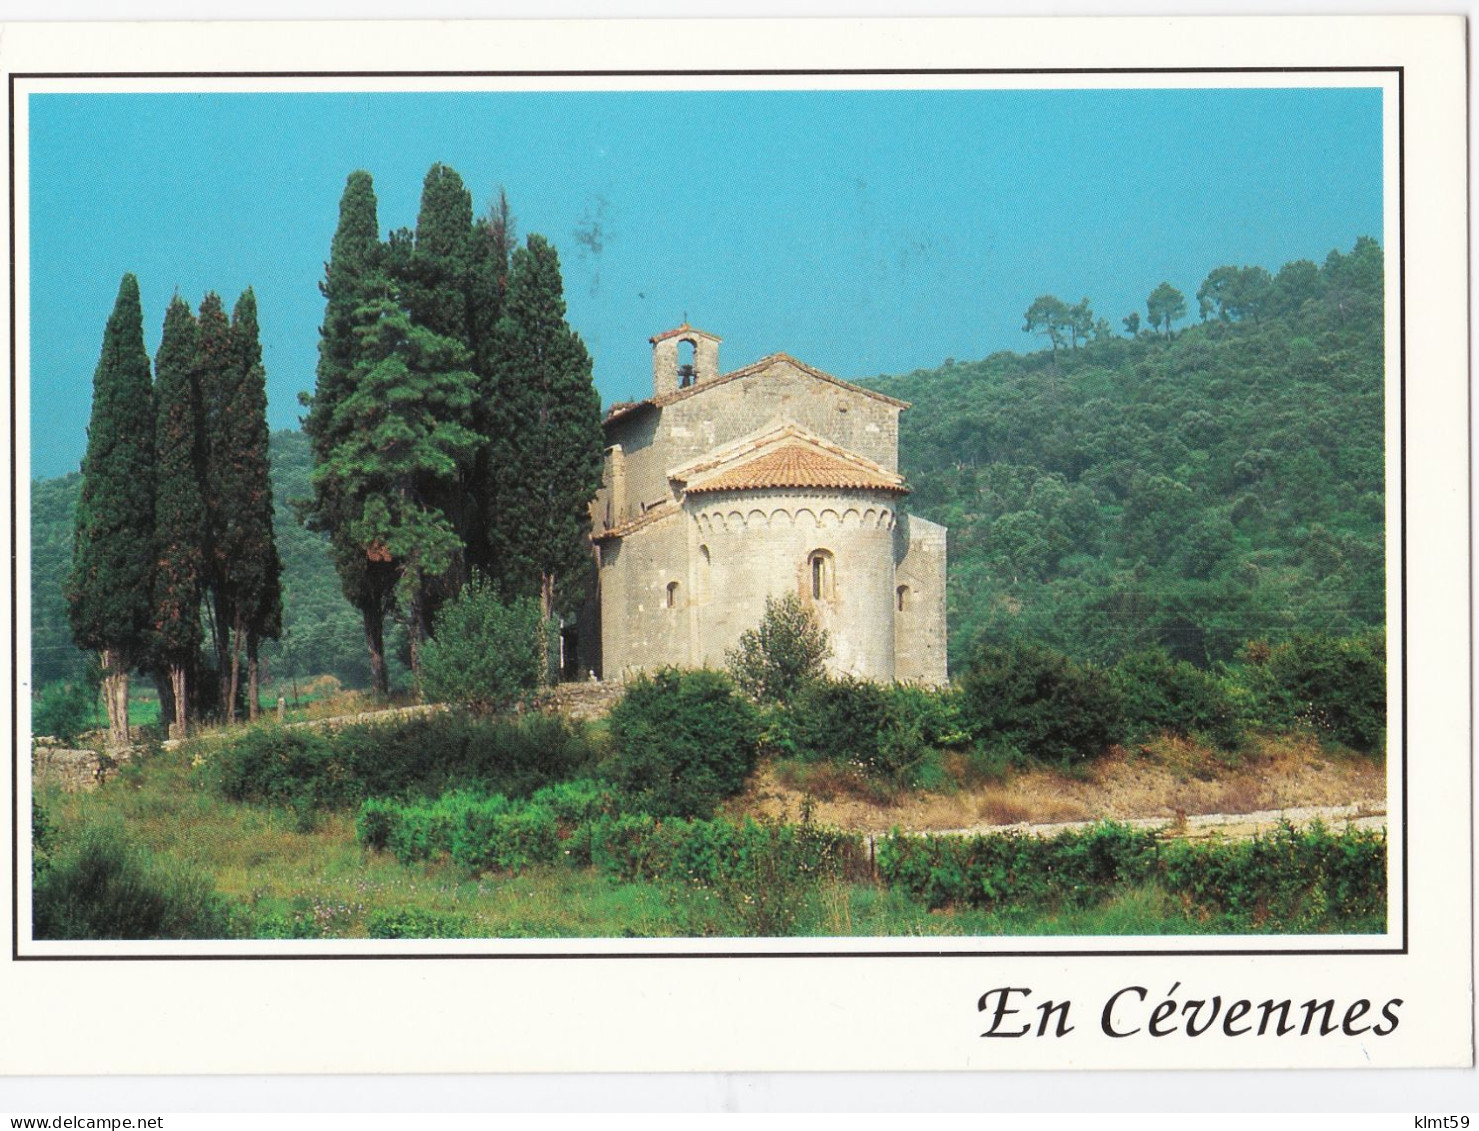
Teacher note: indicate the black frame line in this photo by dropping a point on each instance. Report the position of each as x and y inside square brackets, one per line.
[1398, 70]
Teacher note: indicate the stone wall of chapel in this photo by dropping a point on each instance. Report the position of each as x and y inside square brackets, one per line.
[919, 602]
[750, 545]
[644, 624]
[654, 441]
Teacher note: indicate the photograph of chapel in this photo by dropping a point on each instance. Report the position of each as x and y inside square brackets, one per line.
[723, 489]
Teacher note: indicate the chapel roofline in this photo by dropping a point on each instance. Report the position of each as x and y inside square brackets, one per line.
[624, 410]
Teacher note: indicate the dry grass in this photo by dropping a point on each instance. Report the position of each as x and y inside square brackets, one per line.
[1167, 779]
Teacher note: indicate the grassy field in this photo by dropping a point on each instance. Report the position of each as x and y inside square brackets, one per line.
[282, 877]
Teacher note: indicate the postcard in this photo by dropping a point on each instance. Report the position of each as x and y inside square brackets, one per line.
[730, 545]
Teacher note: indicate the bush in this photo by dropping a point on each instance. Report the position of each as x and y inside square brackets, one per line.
[421, 757]
[106, 887]
[684, 741]
[63, 711]
[484, 653]
[1159, 694]
[884, 731]
[414, 923]
[774, 661]
[1039, 703]
[1336, 688]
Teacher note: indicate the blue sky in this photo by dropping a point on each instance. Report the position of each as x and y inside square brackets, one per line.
[863, 232]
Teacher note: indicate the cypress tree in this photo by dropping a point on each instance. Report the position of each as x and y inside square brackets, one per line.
[216, 379]
[248, 548]
[179, 508]
[353, 281]
[547, 460]
[109, 595]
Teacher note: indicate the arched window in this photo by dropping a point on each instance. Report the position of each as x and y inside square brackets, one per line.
[903, 594]
[822, 570]
[701, 593]
[672, 594]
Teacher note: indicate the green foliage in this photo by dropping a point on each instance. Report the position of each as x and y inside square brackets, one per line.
[419, 757]
[64, 710]
[1157, 693]
[1286, 879]
[108, 594]
[885, 732]
[180, 528]
[1334, 687]
[106, 887]
[1189, 493]
[484, 653]
[774, 661]
[43, 840]
[1165, 305]
[684, 741]
[414, 923]
[545, 439]
[1040, 703]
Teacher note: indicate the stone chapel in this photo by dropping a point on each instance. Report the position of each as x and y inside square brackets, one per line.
[722, 489]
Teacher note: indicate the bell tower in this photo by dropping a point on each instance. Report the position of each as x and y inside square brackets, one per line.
[683, 357]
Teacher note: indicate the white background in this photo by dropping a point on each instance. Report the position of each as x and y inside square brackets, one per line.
[1427, 1092]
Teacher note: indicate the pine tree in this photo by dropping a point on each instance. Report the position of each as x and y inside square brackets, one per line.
[109, 595]
[179, 508]
[406, 441]
[353, 282]
[547, 460]
[249, 548]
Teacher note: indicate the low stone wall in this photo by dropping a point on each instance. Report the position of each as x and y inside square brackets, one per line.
[72, 770]
[580, 701]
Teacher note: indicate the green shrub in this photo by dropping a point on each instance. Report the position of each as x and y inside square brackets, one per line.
[414, 923]
[1287, 880]
[1040, 703]
[106, 887]
[1158, 693]
[887, 732]
[1336, 688]
[43, 836]
[421, 757]
[683, 741]
[63, 711]
[774, 661]
[484, 653]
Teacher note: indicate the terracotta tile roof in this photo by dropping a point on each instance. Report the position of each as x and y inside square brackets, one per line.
[619, 411]
[646, 518]
[800, 465]
[680, 331]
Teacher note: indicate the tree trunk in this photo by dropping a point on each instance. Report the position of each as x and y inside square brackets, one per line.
[181, 692]
[374, 621]
[115, 696]
[165, 688]
[253, 692]
[236, 641]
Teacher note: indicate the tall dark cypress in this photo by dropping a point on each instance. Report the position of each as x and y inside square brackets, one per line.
[179, 508]
[216, 378]
[547, 458]
[252, 569]
[109, 596]
[353, 283]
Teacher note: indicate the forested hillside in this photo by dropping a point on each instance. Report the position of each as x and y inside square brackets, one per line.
[1196, 489]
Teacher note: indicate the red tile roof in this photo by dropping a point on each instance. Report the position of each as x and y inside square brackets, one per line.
[758, 367]
[680, 332]
[800, 465]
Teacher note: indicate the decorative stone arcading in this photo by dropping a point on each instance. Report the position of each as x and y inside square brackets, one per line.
[789, 511]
